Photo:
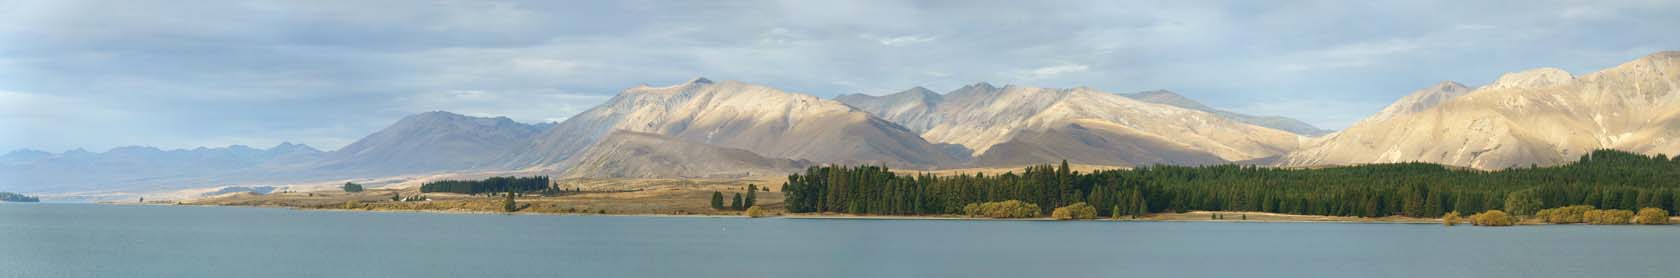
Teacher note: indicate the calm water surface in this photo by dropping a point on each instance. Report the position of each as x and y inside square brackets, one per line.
[83, 240]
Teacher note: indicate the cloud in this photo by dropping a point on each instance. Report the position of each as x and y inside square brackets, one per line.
[1056, 70]
[1474, 26]
[1358, 54]
[897, 40]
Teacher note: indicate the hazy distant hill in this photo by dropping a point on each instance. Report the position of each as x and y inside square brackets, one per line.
[417, 144]
[1541, 116]
[431, 141]
[29, 170]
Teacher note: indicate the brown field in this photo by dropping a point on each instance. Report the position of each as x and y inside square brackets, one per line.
[635, 197]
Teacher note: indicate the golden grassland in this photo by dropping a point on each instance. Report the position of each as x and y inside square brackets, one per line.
[637, 197]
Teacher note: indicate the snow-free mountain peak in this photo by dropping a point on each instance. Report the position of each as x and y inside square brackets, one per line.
[1421, 99]
[431, 141]
[1036, 123]
[1533, 78]
[1274, 122]
[731, 114]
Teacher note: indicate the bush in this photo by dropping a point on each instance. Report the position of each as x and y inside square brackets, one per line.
[1004, 209]
[1608, 217]
[1079, 210]
[1493, 218]
[1524, 202]
[1651, 216]
[352, 187]
[508, 205]
[1451, 218]
[1563, 215]
[755, 212]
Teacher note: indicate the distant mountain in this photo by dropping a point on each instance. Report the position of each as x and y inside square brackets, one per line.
[1090, 141]
[1535, 117]
[432, 141]
[421, 143]
[915, 104]
[1103, 128]
[1274, 122]
[626, 154]
[28, 171]
[730, 114]
[23, 156]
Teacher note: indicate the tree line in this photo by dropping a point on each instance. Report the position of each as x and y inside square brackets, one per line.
[739, 203]
[1607, 179]
[491, 185]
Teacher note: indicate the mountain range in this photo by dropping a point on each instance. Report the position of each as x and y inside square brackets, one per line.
[1542, 116]
[705, 128]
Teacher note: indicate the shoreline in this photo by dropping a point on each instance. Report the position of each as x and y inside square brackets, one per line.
[1160, 217]
[1195, 216]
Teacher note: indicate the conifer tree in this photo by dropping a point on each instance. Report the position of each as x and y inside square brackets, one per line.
[736, 204]
[752, 196]
[717, 200]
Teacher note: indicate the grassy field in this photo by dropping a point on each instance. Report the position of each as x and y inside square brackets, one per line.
[639, 196]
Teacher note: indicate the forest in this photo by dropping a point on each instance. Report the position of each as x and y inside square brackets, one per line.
[490, 185]
[1606, 179]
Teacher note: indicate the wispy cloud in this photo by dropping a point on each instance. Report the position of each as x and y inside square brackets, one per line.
[1056, 70]
[897, 40]
[1358, 54]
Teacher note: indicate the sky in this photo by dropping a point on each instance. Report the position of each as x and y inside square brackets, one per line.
[183, 74]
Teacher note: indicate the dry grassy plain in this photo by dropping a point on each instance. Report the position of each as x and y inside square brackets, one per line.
[621, 196]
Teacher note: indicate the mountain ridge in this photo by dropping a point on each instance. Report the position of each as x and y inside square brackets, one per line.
[1531, 117]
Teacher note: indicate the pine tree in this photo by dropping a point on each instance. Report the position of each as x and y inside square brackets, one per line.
[717, 200]
[752, 196]
[736, 204]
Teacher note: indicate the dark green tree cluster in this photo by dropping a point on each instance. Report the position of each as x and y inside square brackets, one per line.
[490, 185]
[14, 197]
[1605, 179]
[352, 187]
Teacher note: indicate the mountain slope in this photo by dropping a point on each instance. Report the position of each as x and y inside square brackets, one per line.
[1274, 122]
[916, 104]
[730, 114]
[1420, 100]
[431, 141]
[981, 116]
[1541, 116]
[1091, 141]
[626, 154]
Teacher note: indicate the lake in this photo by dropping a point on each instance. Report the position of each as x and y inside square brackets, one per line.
[85, 240]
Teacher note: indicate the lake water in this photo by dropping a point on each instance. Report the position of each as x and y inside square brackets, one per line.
[84, 240]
